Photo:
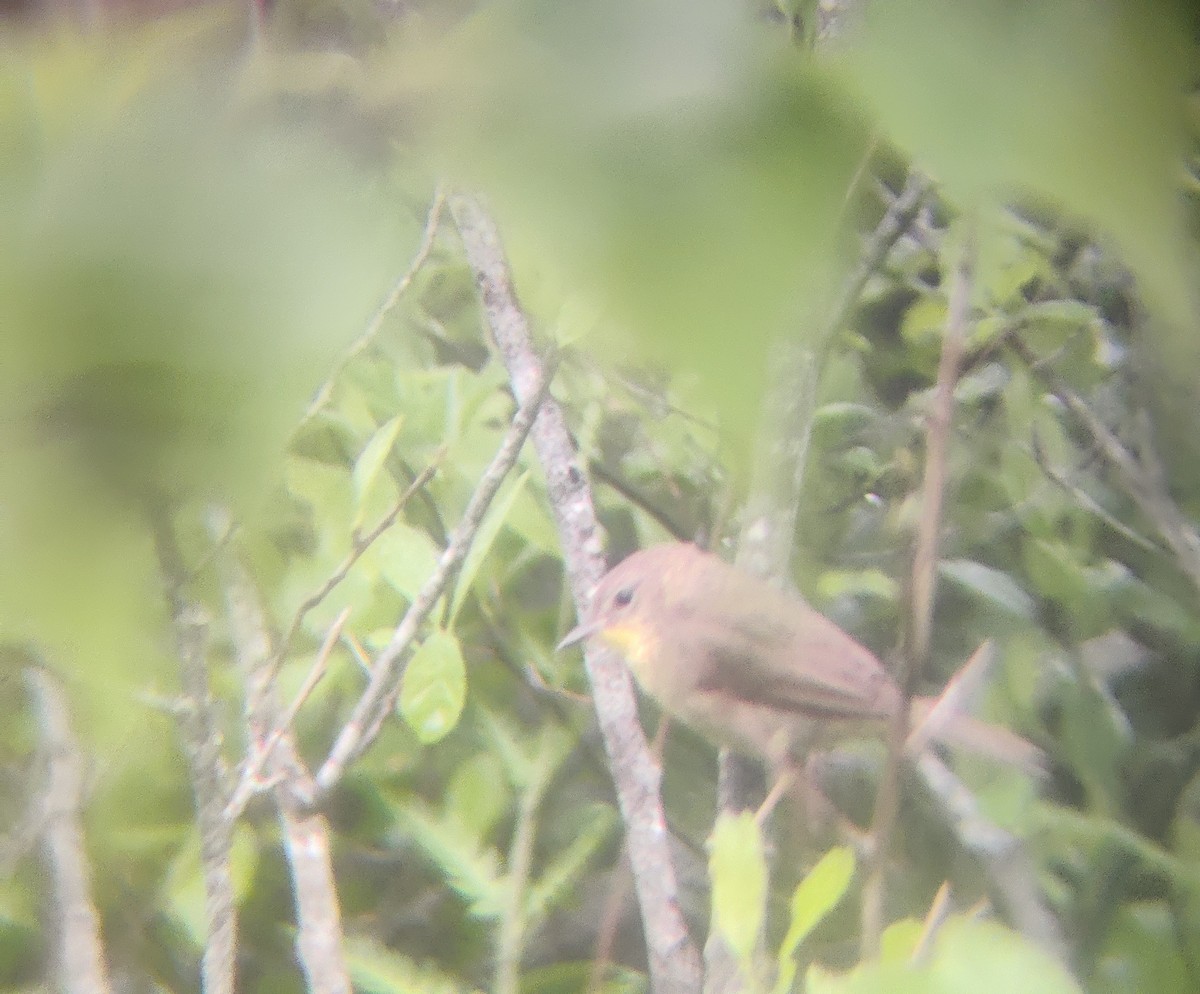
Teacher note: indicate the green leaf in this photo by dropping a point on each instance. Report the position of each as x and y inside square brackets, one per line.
[856, 583]
[967, 955]
[1054, 568]
[406, 558]
[841, 419]
[434, 687]
[814, 897]
[482, 545]
[737, 867]
[1143, 952]
[986, 958]
[924, 322]
[326, 489]
[376, 969]
[989, 584]
[373, 456]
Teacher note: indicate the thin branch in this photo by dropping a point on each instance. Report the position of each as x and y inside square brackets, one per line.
[937, 448]
[1141, 475]
[384, 684]
[360, 544]
[206, 768]
[306, 837]
[924, 576]
[319, 937]
[898, 218]
[1089, 503]
[259, 757]
[935, 918]
[1011, 870]
[674, 963]
[769, 526]
[428, 238]
[82, 967]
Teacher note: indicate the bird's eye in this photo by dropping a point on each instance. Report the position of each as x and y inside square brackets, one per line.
[623, 597]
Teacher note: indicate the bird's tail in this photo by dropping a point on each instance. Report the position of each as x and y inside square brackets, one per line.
[945, 719]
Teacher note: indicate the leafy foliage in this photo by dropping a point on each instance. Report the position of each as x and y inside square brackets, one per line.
[225, 279]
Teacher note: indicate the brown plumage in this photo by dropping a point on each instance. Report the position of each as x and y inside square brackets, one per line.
[751, 666]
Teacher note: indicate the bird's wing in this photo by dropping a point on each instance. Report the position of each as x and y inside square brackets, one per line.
[806, 664]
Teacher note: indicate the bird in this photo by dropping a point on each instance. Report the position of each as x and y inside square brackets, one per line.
[756, 668]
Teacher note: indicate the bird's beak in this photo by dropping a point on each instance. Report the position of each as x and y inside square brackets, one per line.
[580, 633]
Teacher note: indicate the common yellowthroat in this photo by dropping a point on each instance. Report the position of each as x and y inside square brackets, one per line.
[753, 667]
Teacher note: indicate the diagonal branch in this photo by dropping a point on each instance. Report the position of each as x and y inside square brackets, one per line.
[359, 546]
[398, 289]
[1141, 474]
[674, 963]
[320, 939]
[924, 577]
[379, 698]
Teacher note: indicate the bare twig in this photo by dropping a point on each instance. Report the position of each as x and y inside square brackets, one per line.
[1140, 474]
[82, 967]
[935, 918]
[1089, 503]
[428, 237]
[923, 579]
[208, 774]
[899, 217]
[769, 527]
[674, 963]
[360, 544]
[319, 937]
[1011, 871]
[384, 684]
[259, 756]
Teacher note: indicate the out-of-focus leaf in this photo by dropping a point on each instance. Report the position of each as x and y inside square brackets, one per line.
[469, 866]
[434, 687]
[1095, 832]
[737, 867]
[376, 969]
[992, 585]
[954, 81]
[967, 955]
[986, 957]
[176, 277]
[858, 583]
[924, 322]
[664, 161]
[1143, 951]
[870, 978]
[406, 558]
[899, 940]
